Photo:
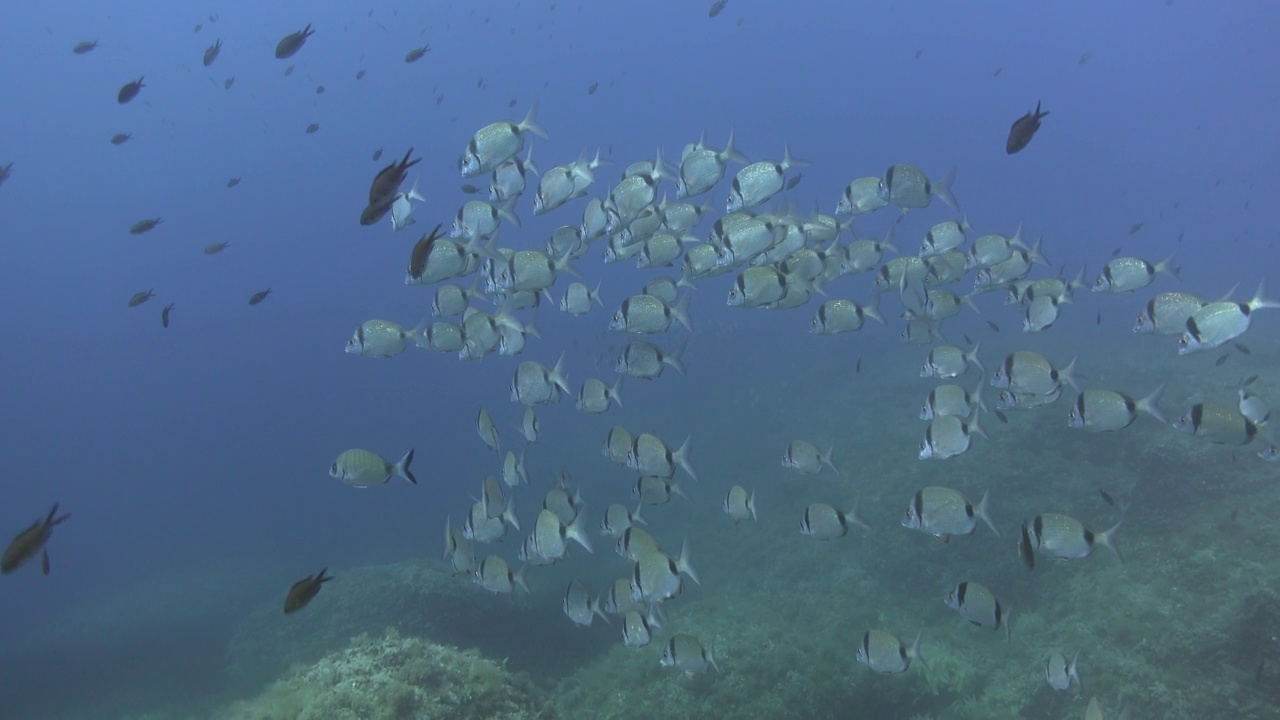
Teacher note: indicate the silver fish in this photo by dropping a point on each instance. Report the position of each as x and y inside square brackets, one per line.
[361, 468]
[652, 456]
[684, 652]
[382, 338]
[617, 444]
[945, 236]
[513, 471]
[1126, 274]
[529, 425]
[827, 523]
[652, 490]
[1106, 410]
[496, 143]
[646, 314]
[1065, 537]
[443, 337]
[1254, 408]
[488, 430]
[863, 255]
[1218, 424]
[863, 195]
[943, 512]
[646, 361]
[551, 535]
[908, 188]
[666, 289]
[578, 299]
[595, 397]
[556, 187]
[1218, 323]
[948, 361]
[803, 457]
[1030, 372]
[1061, 674]
[1009, 400]
[580, 606]
[534, 384]
[1167, 313]
[703, 166]
[952, 400]
[637, 627]
[510, 177]
[841, 316]
[739, 505]
[884, 653]
[452, 300]
[759, 181]
[656, 575]
[618, 518]
[1042, 313]
[634, 543]
[402, 208]
[493, 574]
[949, 436]
[979, 606]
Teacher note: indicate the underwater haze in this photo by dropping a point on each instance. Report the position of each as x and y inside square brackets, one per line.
[194, 428]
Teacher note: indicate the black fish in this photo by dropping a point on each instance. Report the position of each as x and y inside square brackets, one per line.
[233, 182]
[211, 53]
[1099, 320]
[1244, 349]
[967, 341]
[293, 42]
[226, 84]
[591, 89]
[377, 155]
[1023, 129]
[793, 182]
[993, 326]
[259, 296]
[416, 54]
[303, 590]
[471, 189]
[31, 541]
[1026, 552]
[385, 186]
[1106, 496]
[1115, 253]
[857, 368]
[1001, 416]
[421, 251]
[164, 315]
[360, 74]
[716, 7]
[1248, 381]
[313, 128]
[129, 91]
[1134, 228]
[1221, 359]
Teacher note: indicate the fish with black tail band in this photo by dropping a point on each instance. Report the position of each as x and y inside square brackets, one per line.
[1099, 410]
[1167, 313]
[1218, 424]
[804, 457]
[825, 522]
[885, 653]
[580, 606]
[657, 576]
[652, 456]
[1066, 538]
[943, 512]
[948, 361]
[739, 505]
[684, 652]
[493, 574]
[702, 167]
[948, 436]
[1126, 274]
[1060, 673]
[362, 468]
[498, 142]
[980, 606]
[759, 181]
[1030, 372]
[1218, 323]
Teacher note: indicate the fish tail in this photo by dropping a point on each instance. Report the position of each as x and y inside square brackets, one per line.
[1259, 298]
[529, 167]
[789, 162]
[1148, 404]
[730, 153]
[520, 580]
[826, 459]
[681, 457]
[681, 312]
[711, 654]
[559, 378]
[751, 505]
[509, 512]
[402, 468]
[1068, 374]
[577, 530]
[615, 392]
[853, 516]
[984, 511]
[530, 123]
[942, 191]
[1108, 538]
[1166, 266]
[684, 564]
[914, 652]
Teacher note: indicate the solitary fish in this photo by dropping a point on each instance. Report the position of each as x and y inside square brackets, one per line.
[144, 226]
[140, 297]
[884, 653]
[259, 296]
[303, 590]
[164, 315]
[362, 468]
[717, 7]
[83, 47]
[684, 652]
[211, 53]
[121, 138]
[416, 54]
[216, 248]
[129, 91]
[1024, 128]
[31, 542]
[293, 42]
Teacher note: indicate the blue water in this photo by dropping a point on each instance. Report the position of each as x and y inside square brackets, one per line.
[193, 458]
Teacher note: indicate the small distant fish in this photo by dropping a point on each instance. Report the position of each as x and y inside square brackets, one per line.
[1024, 128]
[216, 248]
[211, 53]
[362, 468]
[1134, 228]
[304, 590]
[470, 189]
[293, 42]
[717, 7]
[997, 72]
[129, 91]
[164, 315]
[233, 182]
[360, 74]
[1084, 57]
[919, 53]
[1221, 359]
[994, 327]
[144, 226]
[31, 542]
[793, 182]
[140, 297]
[313, 128]
[319, 89]
[416, 54]
[226, 84]
[288, 71]
[1107, 497]
[377, 154]
[591, 89]
[120, 138]
[85, 46]
[1098, 319]
[1244, 349]
[857, 368]
[259, 296]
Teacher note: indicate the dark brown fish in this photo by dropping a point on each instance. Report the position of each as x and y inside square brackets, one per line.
[993, 326]
[359, 74]
[140, 297]
[84, 47]
[1134, 228]
[1026, 553]
[30, 542]
[164, 314]
[313, 128]
[1001, 416]
[421, 251]
[385, 186]
[143, 226]
[1116, 252]
[716, 7]
[1248, 381]
[319, 89]
[288, 71]
[591, 89]
[259, 296]
[216, 248]
[416, 54]
[293, 42]
[1023, 129]
[120, 138]
[1107, 497]
[226, 84]
[1221, 359]
[793, 182]
[470, 189]
[377, 155]
[211, 53]
[303, 590]
[233, 182]
[129, 91]
[1244, 349]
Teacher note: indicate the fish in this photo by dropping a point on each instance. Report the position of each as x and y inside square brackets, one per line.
[803, 457]
[827, 523]
[233, 182]
[416, 54]
[130, 91]
[1029, 372]
[513, 470]
[633, 544]
[1106, 497]
[948, 436]
[141, 297]
[488, 430]
[1218, 323]
[144, 226]
[534, 384]
[493, 574]
[1064, 537]
[1026, 549]
[863, 195]
[362, 468]
[759, 181]
[684, 652]
[595, 397]
[1126, 274]
[652, 490]
[84, 46]
[551, 535]
[1254, 408]
[120, 138]
[840, 316]
[402, 207]
[1167, 313]
[31, 542]
[1023, 129]
[591, 89]
[579, 298]
[319, 89]
[510, 177]
[637, 627]
[618, 519]
[259, 296]
[646, 314]
[382, 338]
[580, 606]
[1134, 228]
[312, 129]
[949, 361]
[979, 606]
[290, 44]
[908, 188]
[1106, 410]
[646, 361]
[952, 400]
[739, 505]
[529, 425]
[385, 188]
[652, 456]
[656, 575]
[211, 53]
[943, 512]
[164, 315]
[1061, 674]
[1242, 348]
[617, 444]
[226, 84]
[1219, 424]
[498, 142]
[884, 653]
[216, 248]
[5, 171]
[702, 167]
[717, 7]
[944, 236]
[304, 590]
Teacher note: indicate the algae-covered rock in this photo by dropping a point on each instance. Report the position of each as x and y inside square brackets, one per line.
[393, 677]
